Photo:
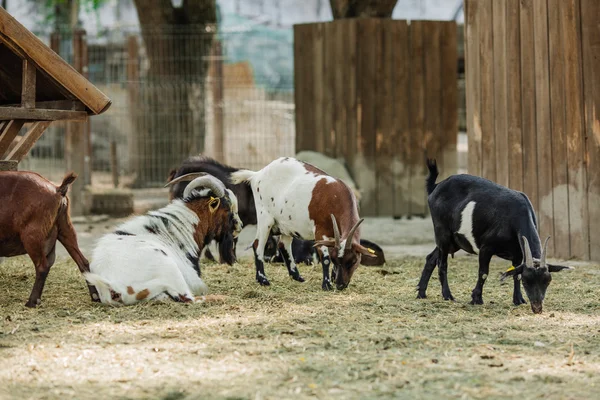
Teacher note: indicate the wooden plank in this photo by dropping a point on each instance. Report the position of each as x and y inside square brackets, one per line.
[544, 133]
[402, 96]
[8, 113]
[350, 49]
[513, 83]
[500, 92]
[28, 85]
[473, 92]
[68, 105]
[18, 37]
[559, 143]
[329, 70]
[433, 89]
[486, 82]
[385, 133]
[8, 134]
[366, 72]
[340, 78]
[574, 130]
[449, 123]
[529, 136]
[318, 83]
[590, 15]
[28, 140]
[417, 118]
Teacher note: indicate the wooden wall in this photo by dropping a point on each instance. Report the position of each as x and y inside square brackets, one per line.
[533, 88]
[382, 94]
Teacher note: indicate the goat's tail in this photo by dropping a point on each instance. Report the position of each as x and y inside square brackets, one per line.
[243, 175]
[433, 174]
[64, 186]
[102, 285]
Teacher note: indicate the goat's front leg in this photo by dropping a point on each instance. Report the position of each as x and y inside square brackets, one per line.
[485, 255]
[286, 253]
[326, 262]
[443, 275]
[517, 295]
[431, 261]
[258, 246]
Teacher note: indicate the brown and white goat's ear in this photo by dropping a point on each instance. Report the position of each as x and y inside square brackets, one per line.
[213, 204]
[557, 268]
[512, 271]
[365, 251]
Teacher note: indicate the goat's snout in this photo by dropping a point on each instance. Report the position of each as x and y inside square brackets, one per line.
[536, 307]
[341, 286]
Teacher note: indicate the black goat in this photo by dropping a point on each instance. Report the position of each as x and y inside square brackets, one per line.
[482, 217]
[304, 252]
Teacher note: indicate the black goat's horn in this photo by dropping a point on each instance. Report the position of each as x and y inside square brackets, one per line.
[527, 253]
[543, 258]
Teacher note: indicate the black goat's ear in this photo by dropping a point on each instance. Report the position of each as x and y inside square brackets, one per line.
[512, 271]
[557, 268]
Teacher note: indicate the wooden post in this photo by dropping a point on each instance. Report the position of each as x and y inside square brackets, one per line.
[133, 97]
[76, 149]
[114, 163]
[217, 90]
[28, 85]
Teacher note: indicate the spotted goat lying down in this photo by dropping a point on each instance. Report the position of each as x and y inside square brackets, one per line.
[155, 256]
[484, 218]
[297, 200]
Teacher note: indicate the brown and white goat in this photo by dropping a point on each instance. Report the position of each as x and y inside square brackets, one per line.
[155, 256]
[34, 214]
[297, 200]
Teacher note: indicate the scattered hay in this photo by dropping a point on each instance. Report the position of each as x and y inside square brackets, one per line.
[292, 339]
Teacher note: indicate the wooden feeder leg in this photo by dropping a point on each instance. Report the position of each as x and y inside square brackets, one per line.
[28, 140]
[8, 133]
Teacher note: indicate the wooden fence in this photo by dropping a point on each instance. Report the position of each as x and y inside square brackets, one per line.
[533, 90]
[382, 94]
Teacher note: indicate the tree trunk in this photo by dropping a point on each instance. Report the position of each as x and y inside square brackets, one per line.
[362, 8]
[170, 124]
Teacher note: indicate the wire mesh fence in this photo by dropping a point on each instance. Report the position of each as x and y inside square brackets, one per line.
[178, 92]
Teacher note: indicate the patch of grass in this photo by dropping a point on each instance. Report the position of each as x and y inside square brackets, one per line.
[374, 340]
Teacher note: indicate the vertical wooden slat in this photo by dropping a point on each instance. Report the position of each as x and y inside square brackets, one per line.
[10, 131]
[590, 15]
[28, 85]
[542, 120]
[513, 81]
[340, 78]
[385, 134]
[486, 57]
[366, 72]
[473, 92]
[133, 98]
[417, 119]
[299, 62]
[28, 140]
[528, 103]
[449, 124]
[578, 210]
[433, 89]
[350, 49]
[402, 96]
[329, 72]
[557, 110]
[318, 86]
[500, 91]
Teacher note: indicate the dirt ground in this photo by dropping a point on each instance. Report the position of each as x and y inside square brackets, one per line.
[373, 340]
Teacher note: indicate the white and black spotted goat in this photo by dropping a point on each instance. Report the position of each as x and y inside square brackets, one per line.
[296, 200]
[482, 217]
[155, 256]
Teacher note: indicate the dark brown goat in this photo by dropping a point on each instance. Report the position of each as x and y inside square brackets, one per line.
[34, 214]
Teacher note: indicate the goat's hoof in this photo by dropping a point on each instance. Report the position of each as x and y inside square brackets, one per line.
[326, 286]
[263, 281]
[448, 297]
[298, 278]
[518, 302]
[475, 302]
[421, 295]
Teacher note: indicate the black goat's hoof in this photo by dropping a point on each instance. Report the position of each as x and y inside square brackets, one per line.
[326, 286]
[448, 297]
[263, 281]
[421, 295]
[476, 302]
[518, 302]
[298, 278]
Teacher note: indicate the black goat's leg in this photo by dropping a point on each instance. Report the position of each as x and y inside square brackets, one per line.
[485, 256]
[259, 252]
[431, 261]
[286, 253]
[443, 275]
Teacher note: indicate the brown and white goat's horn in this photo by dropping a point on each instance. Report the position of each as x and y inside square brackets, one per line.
[543, 258]
[527, 253]
[336, 231]
[185, 178]
[351, 234]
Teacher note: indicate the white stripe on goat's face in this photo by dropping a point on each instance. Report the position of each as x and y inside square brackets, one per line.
[466, 225]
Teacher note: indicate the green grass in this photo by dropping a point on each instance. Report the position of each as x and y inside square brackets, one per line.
[374, 340]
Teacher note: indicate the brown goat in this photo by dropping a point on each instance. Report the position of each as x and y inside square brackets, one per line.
[34, 215]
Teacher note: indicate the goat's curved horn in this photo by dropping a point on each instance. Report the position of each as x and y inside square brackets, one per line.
[336, 231]
[185, 178]
[351, 234]
[527, 253]
[543, 258]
